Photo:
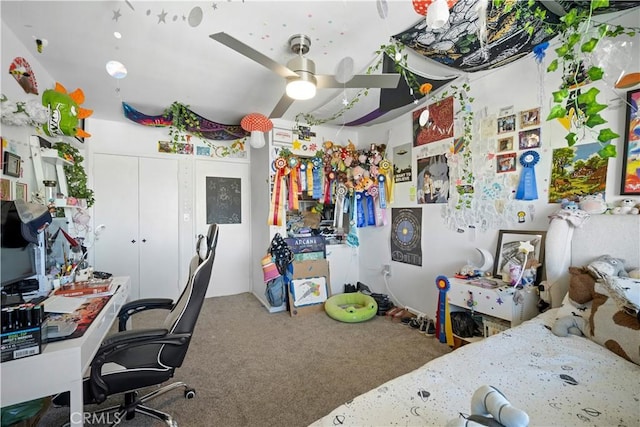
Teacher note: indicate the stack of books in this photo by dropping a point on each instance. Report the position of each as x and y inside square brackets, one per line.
[88, 289]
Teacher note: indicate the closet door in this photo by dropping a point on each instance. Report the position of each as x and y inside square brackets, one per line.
[137, 200]
[115, 183]
[159, 237]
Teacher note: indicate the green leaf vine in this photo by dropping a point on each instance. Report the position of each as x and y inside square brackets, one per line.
[184, 122]
[75, 174]
[579, 36]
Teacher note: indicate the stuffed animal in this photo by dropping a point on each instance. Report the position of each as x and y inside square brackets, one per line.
[626, 207]
[592, 309]
[593, 204]
[607, 265]
[489, 407]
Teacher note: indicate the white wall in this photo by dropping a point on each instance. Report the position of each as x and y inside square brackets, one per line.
[444, 250]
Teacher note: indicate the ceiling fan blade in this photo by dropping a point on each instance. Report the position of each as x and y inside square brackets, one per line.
[253, 54]
[384, 81]
[281, 107]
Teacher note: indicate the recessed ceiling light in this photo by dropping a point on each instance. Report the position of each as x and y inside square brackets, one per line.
[117, 35]
[116, 70]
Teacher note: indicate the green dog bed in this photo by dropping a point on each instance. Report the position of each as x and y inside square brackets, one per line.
[351, 307]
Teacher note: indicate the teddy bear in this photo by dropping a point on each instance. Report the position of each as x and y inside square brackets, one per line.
[489, 407]
[626, 207]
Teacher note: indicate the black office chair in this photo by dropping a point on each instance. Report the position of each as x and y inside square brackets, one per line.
[130, 360]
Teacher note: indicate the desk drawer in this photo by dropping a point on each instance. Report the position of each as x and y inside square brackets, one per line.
[495, 302]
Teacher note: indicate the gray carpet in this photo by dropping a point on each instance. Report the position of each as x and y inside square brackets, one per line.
[253, 368]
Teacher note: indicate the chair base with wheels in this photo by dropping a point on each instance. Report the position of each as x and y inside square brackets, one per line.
[132, 404]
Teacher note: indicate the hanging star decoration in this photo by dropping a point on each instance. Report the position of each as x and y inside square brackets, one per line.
[116, 15]
[162, 16]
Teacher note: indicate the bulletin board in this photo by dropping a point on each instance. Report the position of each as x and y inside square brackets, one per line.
[224, 201]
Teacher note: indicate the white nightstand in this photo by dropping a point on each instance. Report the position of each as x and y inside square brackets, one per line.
[497, 305]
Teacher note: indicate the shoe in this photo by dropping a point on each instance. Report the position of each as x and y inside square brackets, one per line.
[349, 288]
[429, 328]
[414, 323]
[361, 287]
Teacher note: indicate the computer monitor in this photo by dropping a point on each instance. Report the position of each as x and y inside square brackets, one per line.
[17, 256]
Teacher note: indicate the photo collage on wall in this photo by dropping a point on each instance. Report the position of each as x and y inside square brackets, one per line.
[516, 132]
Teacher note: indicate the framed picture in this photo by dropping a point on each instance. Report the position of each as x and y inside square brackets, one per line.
[309, 291]
[529, 139]
[506, 162]
[505, 144]
[507, 124]
[11, 164]
[21, 191]
[282, 136]
[530, 118]
[509, 255]
[630, 182]
[5, 189]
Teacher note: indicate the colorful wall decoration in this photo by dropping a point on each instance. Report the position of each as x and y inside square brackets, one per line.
[433, 179]
[439, 125]
[576, 172]
[406, 235]
[402, 163]
[631, 155]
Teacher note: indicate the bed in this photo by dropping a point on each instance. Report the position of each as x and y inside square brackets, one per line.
[563, 381]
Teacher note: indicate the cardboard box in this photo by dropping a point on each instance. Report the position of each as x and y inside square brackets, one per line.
[19, 344]
[310, 287]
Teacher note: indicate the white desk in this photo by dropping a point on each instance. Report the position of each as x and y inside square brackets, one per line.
[61, 365]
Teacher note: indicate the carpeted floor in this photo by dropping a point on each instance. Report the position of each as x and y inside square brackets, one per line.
[253, 368]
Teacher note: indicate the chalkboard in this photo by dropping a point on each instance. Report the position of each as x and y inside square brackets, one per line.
[224, 204]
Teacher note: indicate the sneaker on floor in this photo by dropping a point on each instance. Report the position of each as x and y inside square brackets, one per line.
[349, 288]
[430, 328]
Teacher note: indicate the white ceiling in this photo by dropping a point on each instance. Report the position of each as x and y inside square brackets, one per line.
[170, 58]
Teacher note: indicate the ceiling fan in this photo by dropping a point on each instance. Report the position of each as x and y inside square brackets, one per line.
[300, 72]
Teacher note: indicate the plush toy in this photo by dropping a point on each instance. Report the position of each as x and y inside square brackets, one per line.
[593, 204]
[593, 308]
[626, 207]
[489, 407]
[607, 265]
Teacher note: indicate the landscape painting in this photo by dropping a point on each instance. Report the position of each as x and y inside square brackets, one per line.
[577, 171]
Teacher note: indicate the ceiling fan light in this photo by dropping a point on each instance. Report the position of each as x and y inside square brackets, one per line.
[302, 88]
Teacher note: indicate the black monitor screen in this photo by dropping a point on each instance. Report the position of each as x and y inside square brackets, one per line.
[17, 264]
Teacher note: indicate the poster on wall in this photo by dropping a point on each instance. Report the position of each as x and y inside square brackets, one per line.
[433, 179]
[438, 126]
[402, 163]
[224, 200]
[630, 181]
[406, 235]
[577, 171]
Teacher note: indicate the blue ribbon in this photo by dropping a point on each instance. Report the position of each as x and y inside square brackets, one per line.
[371, 213]
[527, 189]
[359, 210]
[317, 182]
[303, 177]
[382, 191]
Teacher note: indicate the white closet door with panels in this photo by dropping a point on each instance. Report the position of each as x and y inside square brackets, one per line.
[232, 267]
[137, 200]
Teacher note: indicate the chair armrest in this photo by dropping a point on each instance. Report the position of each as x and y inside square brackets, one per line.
[133, 307]
[123, 341]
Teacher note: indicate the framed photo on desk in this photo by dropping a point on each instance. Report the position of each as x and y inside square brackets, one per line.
[509, 252]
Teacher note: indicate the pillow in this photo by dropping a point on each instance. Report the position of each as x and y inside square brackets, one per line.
[612, 327]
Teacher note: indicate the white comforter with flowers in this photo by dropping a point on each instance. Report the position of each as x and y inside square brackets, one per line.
[556, 381]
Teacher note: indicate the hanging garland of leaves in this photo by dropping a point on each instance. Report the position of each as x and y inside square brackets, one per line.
[75, 173]
[184, 122]
[579, 35]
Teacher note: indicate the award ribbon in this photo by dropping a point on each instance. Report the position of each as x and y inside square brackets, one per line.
[371, 212]
[382, 191]
[317, 179]
[309, 169]
[303, 176]
[359, 209]
[385, 168]
[341, 192]
[527, 189]
[294, 184]
[277, 196]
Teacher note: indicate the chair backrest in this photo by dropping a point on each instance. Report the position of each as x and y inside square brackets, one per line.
[184, 314]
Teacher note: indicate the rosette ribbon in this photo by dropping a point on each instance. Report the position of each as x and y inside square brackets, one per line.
[341, 192]
[294, 183]
[303, 176]
[371, 211]
[317, 178]
[277, 196]
[328, 182]
[359, 209]
[386, 183]
[527, 189]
